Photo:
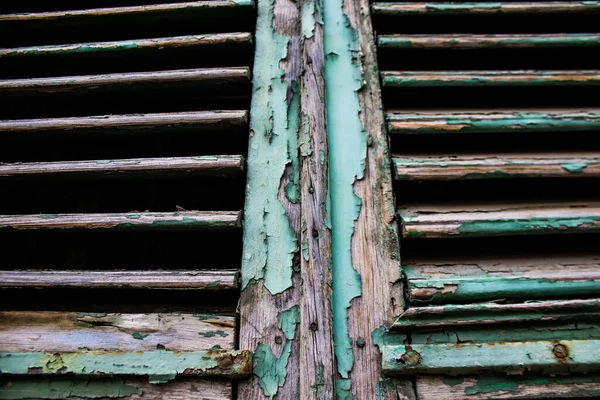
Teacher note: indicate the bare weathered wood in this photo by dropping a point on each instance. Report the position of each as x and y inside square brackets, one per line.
[476, 279]
[44, 388]
[211, 279]
[496, 166]
[468, 41]
[219, 77]
[193, 220]
[69, 332]
[508, 387]
[489, 78]
[225, 40]
[215, 166]
[492, 313]
[164, 10]
[499, 220]
[482, 121]
[202, 120]
[523, 7]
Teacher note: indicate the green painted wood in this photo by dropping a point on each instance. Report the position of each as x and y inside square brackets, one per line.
[489, 78]
[498, 7]
[493, 121]
[493, 314]
[159, 366]
[568, 356]
[492, 166]
[466, 41]
[224, 40]
[499, 219]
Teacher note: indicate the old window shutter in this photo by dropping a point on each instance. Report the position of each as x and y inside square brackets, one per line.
[123, 138]
[492, 114]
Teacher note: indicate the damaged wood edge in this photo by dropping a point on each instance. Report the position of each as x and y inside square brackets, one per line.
[492, 313]
[204, 40]
[159, 366]
[525, 7]
[512, 358]
[161, 279]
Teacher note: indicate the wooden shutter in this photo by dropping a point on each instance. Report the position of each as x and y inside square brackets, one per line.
[123, 131]
[493, 116]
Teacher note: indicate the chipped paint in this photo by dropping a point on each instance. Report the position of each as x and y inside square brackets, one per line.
[308, 19]
[140, 336]
[347, 141]
[269, 239]
[439, 8]
[270, 369]
[574, 167]
[530, 225]
[72, 388]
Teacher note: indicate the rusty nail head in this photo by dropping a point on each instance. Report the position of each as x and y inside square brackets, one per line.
[360, 342]
[560, 350]
[410, 357]
[314, 327]
[278, 339]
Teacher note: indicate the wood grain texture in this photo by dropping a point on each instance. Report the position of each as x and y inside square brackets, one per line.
[194, 220]
[499, 219]
[523, 7]
[69, 332]
[201, 120]
[213, 166]
[221, 78]
[184, 279]
[495, 166]
[527, 386]
[225, 40]
[44, 388]
[489, 78]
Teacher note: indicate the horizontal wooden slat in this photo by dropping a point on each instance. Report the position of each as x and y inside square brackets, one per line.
[508, 387]
[69, 331]
[159, 365]
[493, 121]
[206, 76]
[201, 120]
[465, 41]
[526, 7]
[184, 220]
[489, 78]
[216, 166]
[499, 220]
[57, 387]
[204, 40]
[184, 279]
[492, 313]
[492, 166]
[152, 9]
[509, 357]
[459, 281]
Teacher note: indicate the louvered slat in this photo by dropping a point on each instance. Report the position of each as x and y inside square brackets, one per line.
[524, 7]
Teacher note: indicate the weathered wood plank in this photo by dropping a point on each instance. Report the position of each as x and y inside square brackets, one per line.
[194, 220]
[527, 386]
[493, 121]
[527, 7]
[489, 78]
[509, 357]
[499, 220]
[49, 331]
[164, 10]
[214, 166]
[494, 166]
[458, 281]
[467, 41]
[58, 387]
[159, 365]
[492, 313]
[211, 279]
[201, 120]
[219, 77]
[224, 40]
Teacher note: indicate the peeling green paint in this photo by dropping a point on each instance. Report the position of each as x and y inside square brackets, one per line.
[487, 41]
[270, 369]
[347, 141]
[343, 389]
[140, 336]
[531, 225]
[308, 19]
[210, 334]
[269, 240]
[486, 384]
[73, 388]
[574, 167]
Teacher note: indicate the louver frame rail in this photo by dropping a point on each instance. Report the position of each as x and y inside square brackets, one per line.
[440, 8]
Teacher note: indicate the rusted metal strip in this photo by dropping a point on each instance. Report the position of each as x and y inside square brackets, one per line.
[489, 78]
[526, 7]
[492, 313]
[491, 166]
[159, 366]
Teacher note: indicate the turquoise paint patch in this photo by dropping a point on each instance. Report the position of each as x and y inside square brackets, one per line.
[492, 227]
[140, 336]
[71, 388]
[342, 389]
[308, 19]
[574, 167]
